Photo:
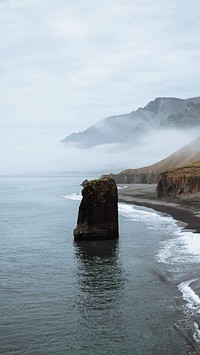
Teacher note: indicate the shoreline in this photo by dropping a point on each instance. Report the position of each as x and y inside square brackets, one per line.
[183, 208]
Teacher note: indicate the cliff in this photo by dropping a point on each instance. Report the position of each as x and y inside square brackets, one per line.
[149, 174]
[179, 181]
[98, 211]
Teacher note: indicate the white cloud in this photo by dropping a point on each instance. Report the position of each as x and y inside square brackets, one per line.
[67, 64]
[69, 27]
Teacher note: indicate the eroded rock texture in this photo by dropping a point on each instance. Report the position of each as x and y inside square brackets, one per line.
[179, 181]
[98, 211]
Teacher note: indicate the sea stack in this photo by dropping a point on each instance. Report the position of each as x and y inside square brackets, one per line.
[98, 211]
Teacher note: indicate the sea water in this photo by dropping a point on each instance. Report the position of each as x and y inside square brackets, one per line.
[137, 295]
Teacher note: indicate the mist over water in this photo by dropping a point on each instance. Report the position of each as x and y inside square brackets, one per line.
[32, 150]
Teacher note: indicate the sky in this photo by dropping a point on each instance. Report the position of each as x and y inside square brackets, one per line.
[66, 64]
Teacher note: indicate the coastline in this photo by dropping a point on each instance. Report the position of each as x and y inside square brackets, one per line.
[183, 208]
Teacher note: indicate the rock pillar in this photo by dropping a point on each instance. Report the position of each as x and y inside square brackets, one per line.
[98, 211]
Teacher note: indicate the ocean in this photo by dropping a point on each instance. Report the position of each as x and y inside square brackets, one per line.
[137, 295]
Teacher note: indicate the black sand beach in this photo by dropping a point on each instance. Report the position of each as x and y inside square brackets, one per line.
[185, 208]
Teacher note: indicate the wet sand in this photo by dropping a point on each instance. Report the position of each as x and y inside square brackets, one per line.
[185, 208]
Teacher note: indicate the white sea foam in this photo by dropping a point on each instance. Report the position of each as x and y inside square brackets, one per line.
[134, 212]
[192, 303]
[75, 197]
[196, 334]
[122, 187]
[180, 245]
[191, 298]
[151, 218]
[184, 247]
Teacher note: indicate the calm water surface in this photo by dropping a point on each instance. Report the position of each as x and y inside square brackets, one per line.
[138, 295]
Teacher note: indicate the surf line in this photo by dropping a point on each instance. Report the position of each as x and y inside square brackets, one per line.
[192, 299]
[193, 303]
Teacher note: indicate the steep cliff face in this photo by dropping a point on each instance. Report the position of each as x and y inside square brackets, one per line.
[98, 211]
[149, 174]
[179, 181]
[136, 176]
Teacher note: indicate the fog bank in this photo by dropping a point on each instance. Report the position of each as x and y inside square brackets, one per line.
[32, 151]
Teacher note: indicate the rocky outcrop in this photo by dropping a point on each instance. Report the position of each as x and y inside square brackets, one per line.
[136, 176]
[98, 211]
[149, 174]
[179, 181]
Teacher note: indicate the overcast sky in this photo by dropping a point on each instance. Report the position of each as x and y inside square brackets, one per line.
[67, 64]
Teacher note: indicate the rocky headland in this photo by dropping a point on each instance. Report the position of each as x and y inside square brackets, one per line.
[184, 180]
[149, 174]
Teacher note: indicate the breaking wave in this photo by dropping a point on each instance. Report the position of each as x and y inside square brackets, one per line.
[74, 197]
[151, 218]
[182, 248]
[191, 298]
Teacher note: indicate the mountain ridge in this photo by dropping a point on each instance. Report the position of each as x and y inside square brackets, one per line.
[129, 128]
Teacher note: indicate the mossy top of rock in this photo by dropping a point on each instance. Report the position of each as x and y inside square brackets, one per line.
[105, 182]
[100, 189]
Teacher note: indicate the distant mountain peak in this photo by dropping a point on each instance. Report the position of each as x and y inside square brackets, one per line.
[130, 128]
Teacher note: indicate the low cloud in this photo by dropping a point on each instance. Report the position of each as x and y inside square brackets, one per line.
[37, 153]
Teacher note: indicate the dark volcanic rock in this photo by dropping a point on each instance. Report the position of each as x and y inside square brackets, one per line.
[98, 211]
[179, 181]
[135, 176]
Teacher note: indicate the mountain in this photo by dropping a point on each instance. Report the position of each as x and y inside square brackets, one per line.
[163, 112]
[149, 174]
